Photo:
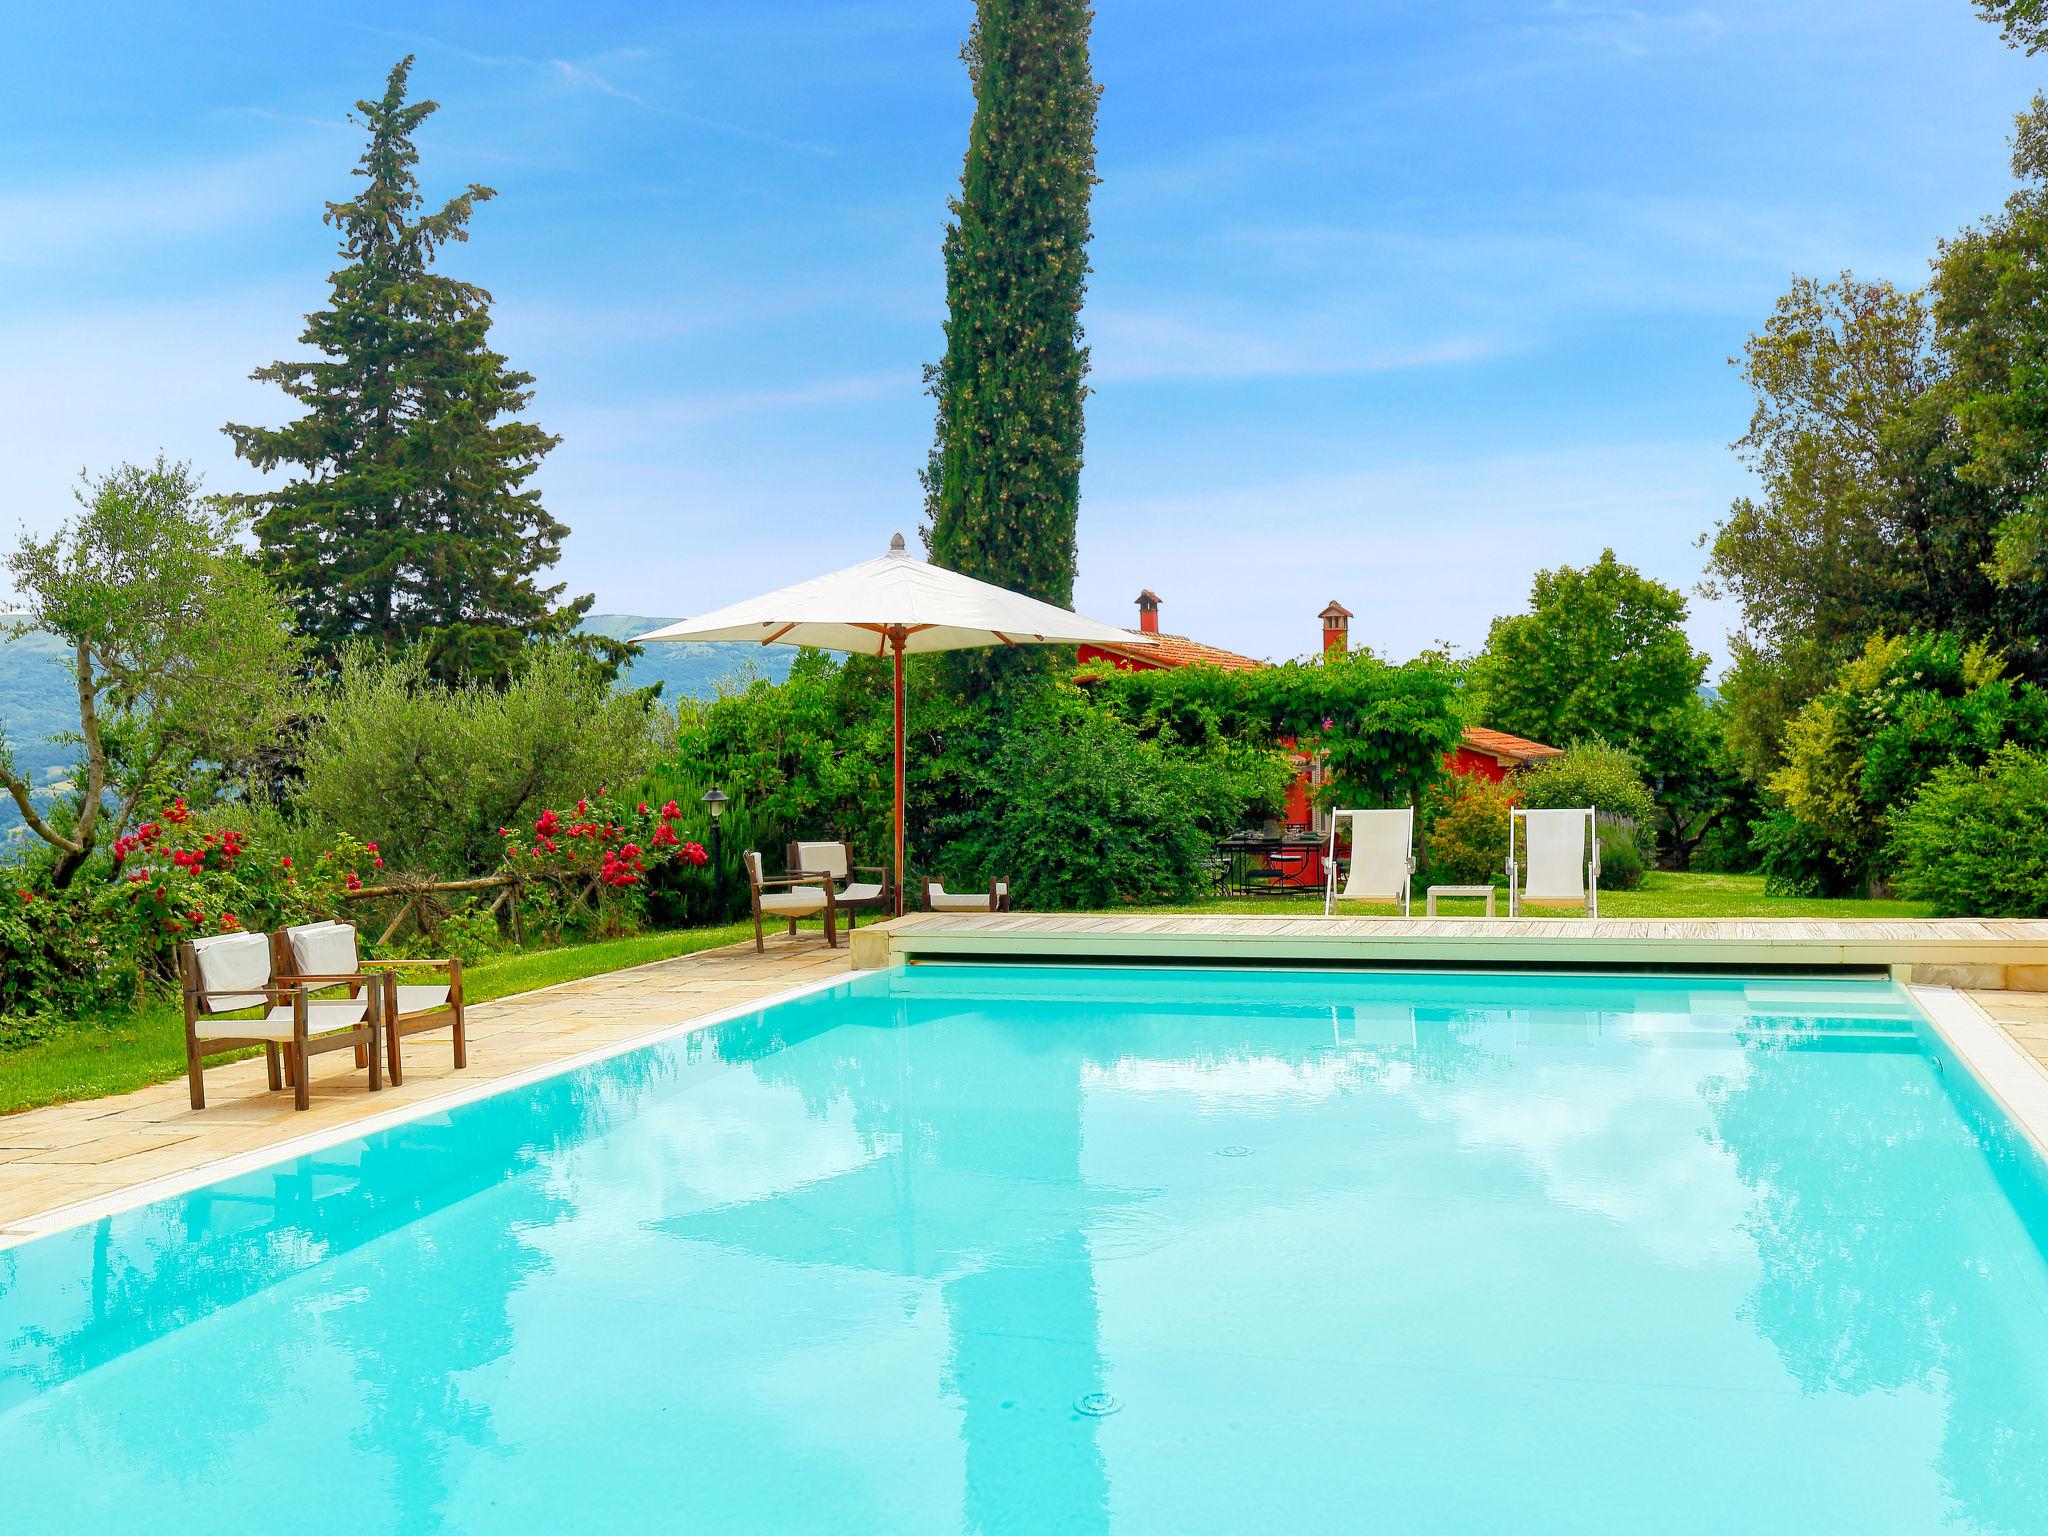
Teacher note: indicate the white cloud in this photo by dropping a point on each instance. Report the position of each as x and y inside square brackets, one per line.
[124, 219]
[1421, 551]
[1130, 345]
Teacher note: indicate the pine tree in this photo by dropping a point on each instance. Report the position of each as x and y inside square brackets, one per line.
[411, 521]
[1003, 488]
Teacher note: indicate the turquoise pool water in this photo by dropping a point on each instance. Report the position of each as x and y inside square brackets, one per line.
[1064, 1250]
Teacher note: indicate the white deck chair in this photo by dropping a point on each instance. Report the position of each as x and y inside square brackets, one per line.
[1563, 849]
[995, 899]
[1382, 863]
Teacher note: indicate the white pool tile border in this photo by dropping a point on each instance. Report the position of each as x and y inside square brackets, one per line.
[79, 1213]
[2014, 1078]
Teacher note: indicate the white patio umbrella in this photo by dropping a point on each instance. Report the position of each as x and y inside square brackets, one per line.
[899, 606]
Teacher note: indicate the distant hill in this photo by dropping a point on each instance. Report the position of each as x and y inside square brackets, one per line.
[689, 669]
[37, 702]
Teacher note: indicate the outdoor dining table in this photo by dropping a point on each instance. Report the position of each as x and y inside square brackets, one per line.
[1252, 867]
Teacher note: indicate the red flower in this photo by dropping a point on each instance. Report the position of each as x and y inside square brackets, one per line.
[695, 853]
[671, 811]
[582, 807]
[229, 920]
[286, 861]
[545, 827]
[370, 847]
[378, 862]
[354, 881]
[177, 812]
[643, 807]
[664, 836]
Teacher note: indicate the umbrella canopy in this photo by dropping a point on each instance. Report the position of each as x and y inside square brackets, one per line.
[857, 608]
[896, 605]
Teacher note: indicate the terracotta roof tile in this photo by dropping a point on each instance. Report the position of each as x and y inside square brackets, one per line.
[1501, 744]
[1180, 651]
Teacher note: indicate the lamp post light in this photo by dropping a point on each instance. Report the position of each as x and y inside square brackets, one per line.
[714, 801]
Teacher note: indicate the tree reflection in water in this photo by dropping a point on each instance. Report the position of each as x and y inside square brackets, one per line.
[1888, 1259]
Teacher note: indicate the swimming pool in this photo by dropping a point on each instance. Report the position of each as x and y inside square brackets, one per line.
[1086, 1250]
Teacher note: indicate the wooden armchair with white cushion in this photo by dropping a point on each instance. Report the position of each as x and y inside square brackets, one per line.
[790, 896]
[227, 973]
[835, 860]
[408, 1008]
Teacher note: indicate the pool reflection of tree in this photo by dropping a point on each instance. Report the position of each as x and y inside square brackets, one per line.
[1859, 1293]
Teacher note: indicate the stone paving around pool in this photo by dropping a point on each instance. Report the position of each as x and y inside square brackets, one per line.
[69, 1153]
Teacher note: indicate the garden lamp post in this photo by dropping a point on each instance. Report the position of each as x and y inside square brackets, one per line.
[714, 801]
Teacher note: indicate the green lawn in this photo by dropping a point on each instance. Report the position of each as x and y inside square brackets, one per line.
[1661, 895]
[94, 1059]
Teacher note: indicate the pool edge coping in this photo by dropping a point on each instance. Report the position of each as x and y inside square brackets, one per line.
[78, 1213]
[2015, 1081]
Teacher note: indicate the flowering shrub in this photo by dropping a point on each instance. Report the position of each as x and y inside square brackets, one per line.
[593, 862]
[178, 877]
[1466, 831]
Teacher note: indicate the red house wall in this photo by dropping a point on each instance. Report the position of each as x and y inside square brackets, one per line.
[1475, 765]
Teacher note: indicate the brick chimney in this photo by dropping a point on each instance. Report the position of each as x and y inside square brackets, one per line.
[1336, 628]
[1148, 612]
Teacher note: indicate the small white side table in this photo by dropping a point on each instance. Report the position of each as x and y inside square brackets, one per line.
[1429, 903]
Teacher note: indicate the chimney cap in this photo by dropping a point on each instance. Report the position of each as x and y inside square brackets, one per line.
[1148, 596]
[1336, 610]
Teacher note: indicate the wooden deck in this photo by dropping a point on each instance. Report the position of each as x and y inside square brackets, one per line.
[1991, 954]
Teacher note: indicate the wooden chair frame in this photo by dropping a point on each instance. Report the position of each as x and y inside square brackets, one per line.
[449, 1014]
[881, 901]
[383, 975]
[758, 881]
[284, 1059]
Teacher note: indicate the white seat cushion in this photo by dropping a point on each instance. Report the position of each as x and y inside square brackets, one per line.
[864, 892]
[323, 949]
[323, 1016]
[421, 999]
[947, 901]
[822, 859]
[228, 962]
[794, 902]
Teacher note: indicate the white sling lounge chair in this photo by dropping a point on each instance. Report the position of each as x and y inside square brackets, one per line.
[1563, 849]
[1382, 862]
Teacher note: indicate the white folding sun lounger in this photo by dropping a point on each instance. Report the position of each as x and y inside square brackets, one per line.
[1382, 862]
[1563, 849]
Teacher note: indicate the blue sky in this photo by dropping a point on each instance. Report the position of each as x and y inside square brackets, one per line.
[1393, 302]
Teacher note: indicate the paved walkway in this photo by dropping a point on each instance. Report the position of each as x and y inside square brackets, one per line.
[2024, 1016]
[86, 1151]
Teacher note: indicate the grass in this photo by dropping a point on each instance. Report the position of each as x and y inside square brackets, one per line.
[93, 1060]
[1661, 895]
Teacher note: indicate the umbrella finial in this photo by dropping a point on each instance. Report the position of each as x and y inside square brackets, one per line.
[896, 544]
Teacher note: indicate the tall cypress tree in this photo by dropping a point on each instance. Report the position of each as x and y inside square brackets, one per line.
[412, 521]
[1003, 488]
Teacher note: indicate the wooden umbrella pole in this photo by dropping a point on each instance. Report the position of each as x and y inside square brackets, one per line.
[896, 636]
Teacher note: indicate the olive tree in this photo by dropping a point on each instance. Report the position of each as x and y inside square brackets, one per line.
[181, 653]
